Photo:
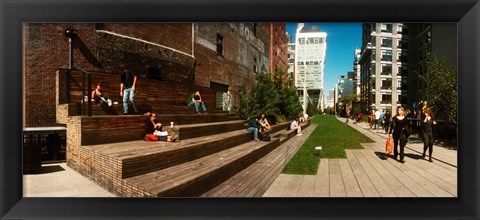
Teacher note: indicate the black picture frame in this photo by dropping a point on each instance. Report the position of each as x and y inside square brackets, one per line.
[14, 13]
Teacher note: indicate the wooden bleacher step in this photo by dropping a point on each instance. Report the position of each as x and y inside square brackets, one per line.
[114, 129]
[140, 157]
[200, 130]
[198, 176]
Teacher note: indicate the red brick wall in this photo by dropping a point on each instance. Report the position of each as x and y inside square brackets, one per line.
[176, 35]
[279, 55]
[46, 50]
[235, 66]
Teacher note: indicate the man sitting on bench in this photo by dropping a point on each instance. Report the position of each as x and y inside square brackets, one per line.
[196, 100]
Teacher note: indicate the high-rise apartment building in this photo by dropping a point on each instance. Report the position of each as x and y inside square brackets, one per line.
[310, 53]
[329, 101]
[384, 64]
[291, 60]
[357, 72]
[438, 38]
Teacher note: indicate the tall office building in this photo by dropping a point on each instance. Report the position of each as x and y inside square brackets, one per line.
[438, 38]
[383, 79]
[329, 101]
[357, 72]
[310, 52]
[291, 59]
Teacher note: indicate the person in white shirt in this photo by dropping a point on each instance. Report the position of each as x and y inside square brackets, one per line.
[295, 125]
[377, 119]
[304, 118]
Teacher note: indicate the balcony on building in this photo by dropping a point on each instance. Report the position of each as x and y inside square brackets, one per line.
[386, 88]
[386, 73]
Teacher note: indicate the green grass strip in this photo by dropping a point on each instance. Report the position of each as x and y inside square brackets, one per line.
[334, 136]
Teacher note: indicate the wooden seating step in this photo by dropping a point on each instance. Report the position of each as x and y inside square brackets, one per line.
[199, 130]
[140, 157]
[198, 176]
[117, 109]
[120, 128]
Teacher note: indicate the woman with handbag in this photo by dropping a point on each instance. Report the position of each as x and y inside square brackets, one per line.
[400, 130]
[427, 132]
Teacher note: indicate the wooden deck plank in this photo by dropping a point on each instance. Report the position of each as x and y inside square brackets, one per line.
[260, 175]
[435, 173]
[292, 145]
[307, 186]
[183, 172]
[447, 185]
[352, 189]
[277, 187]
[378, 181]
[366, 185]
[379, 165]
[292, 186]
[409, 183]
[337, 188]
[422, 181]
[322, 182]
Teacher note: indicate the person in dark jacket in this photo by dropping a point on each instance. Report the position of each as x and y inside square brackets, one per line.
[387, 119]
[253, 126]
[427, 133]
[399, 127]
[152, 125]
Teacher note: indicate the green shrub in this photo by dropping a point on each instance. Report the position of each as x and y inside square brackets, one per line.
[276, 97]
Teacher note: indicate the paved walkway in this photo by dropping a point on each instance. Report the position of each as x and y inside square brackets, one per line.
[370, 172]
[59, 180]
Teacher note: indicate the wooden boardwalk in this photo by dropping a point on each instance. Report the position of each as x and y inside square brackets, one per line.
[257, 178]
[370, 172]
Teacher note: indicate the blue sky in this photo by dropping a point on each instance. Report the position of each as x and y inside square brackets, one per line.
[342, 40]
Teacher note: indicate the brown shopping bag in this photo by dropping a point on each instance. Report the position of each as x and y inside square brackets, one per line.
[389, 145]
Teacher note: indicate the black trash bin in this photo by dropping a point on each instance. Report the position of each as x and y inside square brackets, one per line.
[42, 145]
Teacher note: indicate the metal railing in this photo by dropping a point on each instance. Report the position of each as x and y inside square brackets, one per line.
[84, 93]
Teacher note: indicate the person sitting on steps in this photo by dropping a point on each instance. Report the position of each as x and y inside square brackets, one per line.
[195, 100]
[295, 125]
[264, 124]
[97, 96]
[253, 126]
[152, 126]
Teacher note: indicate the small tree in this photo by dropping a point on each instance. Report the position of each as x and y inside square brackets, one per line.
[347, 100]
[274, 96]
[441, 87]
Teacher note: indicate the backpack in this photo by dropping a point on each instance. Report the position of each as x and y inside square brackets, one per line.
[265, 137]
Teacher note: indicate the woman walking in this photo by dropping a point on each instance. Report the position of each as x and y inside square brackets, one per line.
[427, 132]
[400, 129]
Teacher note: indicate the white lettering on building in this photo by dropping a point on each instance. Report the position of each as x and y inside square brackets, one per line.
[249, 36]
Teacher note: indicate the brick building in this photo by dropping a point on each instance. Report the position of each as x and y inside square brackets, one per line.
[279, 48]
[222, 56]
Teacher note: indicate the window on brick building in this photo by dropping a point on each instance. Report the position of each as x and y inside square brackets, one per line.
[219, 44]
[255, 66]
